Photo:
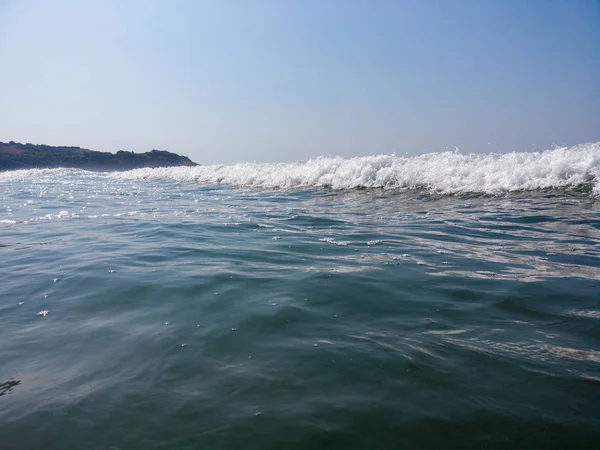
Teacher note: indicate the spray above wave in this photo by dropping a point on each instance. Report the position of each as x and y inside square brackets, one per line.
[448, 172]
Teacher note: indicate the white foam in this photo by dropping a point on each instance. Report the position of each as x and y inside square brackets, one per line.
[28, 174]
[335, 242]
[446, 173]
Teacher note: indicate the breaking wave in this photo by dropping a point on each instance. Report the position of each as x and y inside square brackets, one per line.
[444, 173]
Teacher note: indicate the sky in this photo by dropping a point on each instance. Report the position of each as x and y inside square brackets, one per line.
[286, 80]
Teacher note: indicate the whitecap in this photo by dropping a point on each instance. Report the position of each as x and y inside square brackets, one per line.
[445, 173]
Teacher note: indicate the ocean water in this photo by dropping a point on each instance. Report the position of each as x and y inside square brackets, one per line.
[440, 301]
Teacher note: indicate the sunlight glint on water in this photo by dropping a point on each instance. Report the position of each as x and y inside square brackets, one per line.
[448, 309]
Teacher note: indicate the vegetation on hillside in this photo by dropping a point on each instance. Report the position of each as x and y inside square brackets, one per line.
[14, 156]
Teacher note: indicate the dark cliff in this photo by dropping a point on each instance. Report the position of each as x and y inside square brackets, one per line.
[14, 156]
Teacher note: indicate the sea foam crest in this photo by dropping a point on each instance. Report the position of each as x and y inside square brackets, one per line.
[447, 172]
[37, 174]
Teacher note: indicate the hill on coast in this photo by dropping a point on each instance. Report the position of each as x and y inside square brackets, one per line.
[15, 156]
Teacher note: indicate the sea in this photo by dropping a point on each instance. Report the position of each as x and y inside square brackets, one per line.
[445, 300]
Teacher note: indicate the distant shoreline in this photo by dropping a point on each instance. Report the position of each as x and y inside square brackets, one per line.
[17, 156]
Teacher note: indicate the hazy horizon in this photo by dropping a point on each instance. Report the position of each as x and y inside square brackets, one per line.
[287, 81]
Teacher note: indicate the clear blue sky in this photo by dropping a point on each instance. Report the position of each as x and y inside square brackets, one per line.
[283, 80]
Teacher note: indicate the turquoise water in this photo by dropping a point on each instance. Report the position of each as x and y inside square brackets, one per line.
[184, 315]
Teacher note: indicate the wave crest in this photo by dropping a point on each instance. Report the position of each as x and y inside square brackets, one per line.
[446, 173]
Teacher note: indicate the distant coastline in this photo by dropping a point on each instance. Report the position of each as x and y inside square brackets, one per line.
[15, 156]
